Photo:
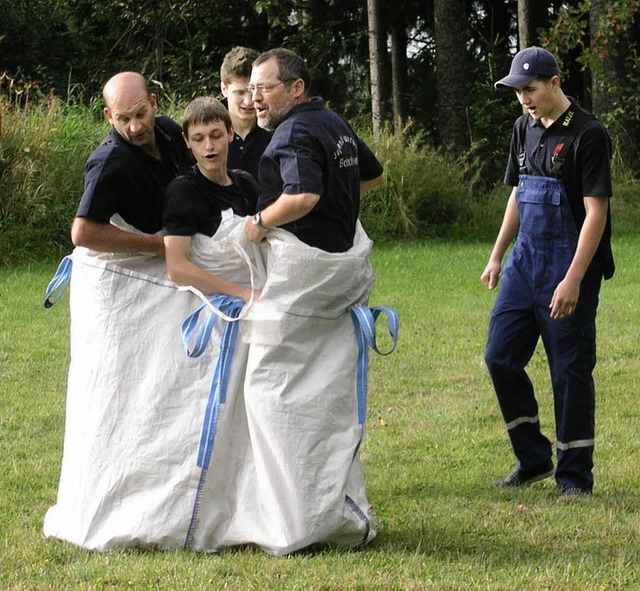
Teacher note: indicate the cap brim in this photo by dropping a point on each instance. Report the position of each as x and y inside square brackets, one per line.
[514, 81]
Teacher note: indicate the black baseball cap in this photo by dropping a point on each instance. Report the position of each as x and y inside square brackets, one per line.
[527, 65]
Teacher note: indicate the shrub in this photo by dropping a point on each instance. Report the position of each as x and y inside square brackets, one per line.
[424, 195]
[427, 193]
[43, 149]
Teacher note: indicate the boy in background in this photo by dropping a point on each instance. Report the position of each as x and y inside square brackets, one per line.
[249, 140]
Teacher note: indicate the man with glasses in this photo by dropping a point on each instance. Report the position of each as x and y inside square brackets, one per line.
[315, 167]
[304, 385]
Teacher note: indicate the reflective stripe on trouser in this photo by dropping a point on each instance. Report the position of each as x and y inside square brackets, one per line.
[540, 258]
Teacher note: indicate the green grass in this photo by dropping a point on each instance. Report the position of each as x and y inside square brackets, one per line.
[435, 442]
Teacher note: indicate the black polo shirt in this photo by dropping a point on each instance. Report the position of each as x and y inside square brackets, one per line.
[124, 179]
[586, 171]
[194, 204]
[314, 150]
[246, 153]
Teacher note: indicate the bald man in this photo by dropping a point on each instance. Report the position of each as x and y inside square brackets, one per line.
[127, 173]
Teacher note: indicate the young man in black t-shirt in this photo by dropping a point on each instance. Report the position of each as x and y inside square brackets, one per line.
[249, 140]
[557, 220]
[194, 202]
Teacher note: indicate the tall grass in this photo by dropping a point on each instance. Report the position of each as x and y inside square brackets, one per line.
[424, 195]
[44, 145]
[435, 442]
[43, 149]
[428, 194]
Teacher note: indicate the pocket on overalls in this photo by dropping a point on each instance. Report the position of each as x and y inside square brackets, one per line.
[539, 206]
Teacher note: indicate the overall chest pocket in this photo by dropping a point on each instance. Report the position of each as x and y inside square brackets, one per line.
[539, 195]
[540, 205]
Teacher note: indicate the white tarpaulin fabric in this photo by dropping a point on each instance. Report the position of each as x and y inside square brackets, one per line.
[252, 437]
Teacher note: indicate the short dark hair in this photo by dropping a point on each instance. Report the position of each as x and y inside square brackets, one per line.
[290, 65]
[205, 109]
[544, 79]
[237, 63]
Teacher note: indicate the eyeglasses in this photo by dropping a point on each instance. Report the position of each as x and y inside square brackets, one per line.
[265, 88]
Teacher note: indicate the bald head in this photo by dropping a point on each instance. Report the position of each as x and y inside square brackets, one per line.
[131, 109]
[125, 85]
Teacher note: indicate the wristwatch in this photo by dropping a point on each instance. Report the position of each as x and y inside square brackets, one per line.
[257, 222]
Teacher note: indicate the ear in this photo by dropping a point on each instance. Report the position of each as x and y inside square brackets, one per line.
[107, 114]
[186, 140]
[231, 134]
[298, 88]
[154, 102]
[224, 88]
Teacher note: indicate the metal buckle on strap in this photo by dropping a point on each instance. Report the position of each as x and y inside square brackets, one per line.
[557, 162]
[521, 160]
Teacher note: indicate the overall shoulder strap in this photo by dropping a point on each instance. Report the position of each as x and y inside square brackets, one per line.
[522, 156]
[573, 122]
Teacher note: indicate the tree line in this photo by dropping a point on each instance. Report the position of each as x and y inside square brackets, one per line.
[423, 67]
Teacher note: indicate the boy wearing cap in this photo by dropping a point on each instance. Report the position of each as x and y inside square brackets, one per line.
[558, 215]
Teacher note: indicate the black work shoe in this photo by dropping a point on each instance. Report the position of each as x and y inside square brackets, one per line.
[520, 477]
[573, 493]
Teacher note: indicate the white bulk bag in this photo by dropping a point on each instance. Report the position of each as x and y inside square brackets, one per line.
[135, 402]
[302, 482]
[255, 439]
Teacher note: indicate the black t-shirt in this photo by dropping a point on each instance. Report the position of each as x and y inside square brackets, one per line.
[194, 204]
[246, 153]
[124, 179]
[314, 150]
[587, 169]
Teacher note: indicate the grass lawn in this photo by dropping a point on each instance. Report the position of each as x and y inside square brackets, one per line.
[435, 443]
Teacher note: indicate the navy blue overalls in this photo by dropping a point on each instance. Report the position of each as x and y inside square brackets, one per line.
[543, 251]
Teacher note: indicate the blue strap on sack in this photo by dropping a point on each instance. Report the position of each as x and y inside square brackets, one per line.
[200, 334]
[59, 283]
[364, 322]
